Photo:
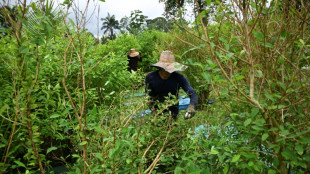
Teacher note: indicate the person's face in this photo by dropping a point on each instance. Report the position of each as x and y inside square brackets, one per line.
[164, 74]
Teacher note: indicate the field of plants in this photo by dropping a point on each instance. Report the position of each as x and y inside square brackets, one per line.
[68, 104]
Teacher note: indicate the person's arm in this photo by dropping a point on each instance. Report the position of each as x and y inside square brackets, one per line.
[190, 111]
[140, 57]
[189, 91]
[148, 89]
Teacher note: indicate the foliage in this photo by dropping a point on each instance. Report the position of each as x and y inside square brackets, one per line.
[66, 100]
[4, 10]
[178, 8]
[110, 24]
[37, 77]
[135, 23]
[159, 23]
[149, 43]
[253, 66]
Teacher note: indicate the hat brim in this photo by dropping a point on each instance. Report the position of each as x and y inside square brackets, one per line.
[170, 67]
[134, 54]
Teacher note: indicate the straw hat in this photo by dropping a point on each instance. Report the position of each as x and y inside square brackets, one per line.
[133, 52]
[168, 63]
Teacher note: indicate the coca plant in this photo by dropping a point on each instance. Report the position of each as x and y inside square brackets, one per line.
[255, 56]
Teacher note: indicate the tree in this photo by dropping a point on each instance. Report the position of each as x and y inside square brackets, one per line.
[110, 24]
[135, 23]
[124, 24]
[251, 57]
[159, 23]
[174, 7]
[7, 12]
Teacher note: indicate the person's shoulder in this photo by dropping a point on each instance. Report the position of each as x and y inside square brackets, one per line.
[178, 75]
[151, 74]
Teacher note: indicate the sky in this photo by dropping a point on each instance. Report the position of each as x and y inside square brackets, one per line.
[119, 8]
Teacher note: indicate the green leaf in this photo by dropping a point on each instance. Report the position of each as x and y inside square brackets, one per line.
[285, 132]
[3, 108]
[23, 49]
[260, 122]
[83, 143]
[224, 91]
[268, 45]
[258, 35]
[269, 96]
[228, 123]
[55, 116]
[226, 168]
[251, 163]
[208, 2]
[282, 85]
[299, 149]
[254, 112]
[273, 129]
[99, 156]
[259, 128]
[306, 157]
[20, 164]
[2, 30]
[212, 44]
[281, 60]
[214, 152]
[207, 77]
[76, 156]
[265, 136]
[247, 122]
[229, 55]
[76, 127]
[239, 77]
[210, 63]
[194, 48]
[235, 158]
[128, 160]
[223, 39]
[259, 73]
[288, 154]
[305, 140]
[270, 171]
[178, 170]
[272, 107]
[230, 13]
[51, 149]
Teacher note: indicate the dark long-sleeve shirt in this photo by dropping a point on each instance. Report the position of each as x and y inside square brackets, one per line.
[158, 88]
[133, 62]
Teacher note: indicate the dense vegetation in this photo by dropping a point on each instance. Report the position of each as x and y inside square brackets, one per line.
[67, 99]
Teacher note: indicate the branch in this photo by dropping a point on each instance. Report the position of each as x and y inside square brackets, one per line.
[15, 122]
[157, 158]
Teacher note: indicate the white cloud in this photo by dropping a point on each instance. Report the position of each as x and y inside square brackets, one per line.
[119, 8]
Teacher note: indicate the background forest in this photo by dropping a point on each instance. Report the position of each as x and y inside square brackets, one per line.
[68, 100]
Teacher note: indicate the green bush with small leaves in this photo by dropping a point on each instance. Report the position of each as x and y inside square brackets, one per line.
[69, 102]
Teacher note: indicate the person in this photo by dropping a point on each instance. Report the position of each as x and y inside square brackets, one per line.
[161, 83]
[133, 58]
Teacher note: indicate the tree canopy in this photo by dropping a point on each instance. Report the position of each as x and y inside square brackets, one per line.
[109, 25]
